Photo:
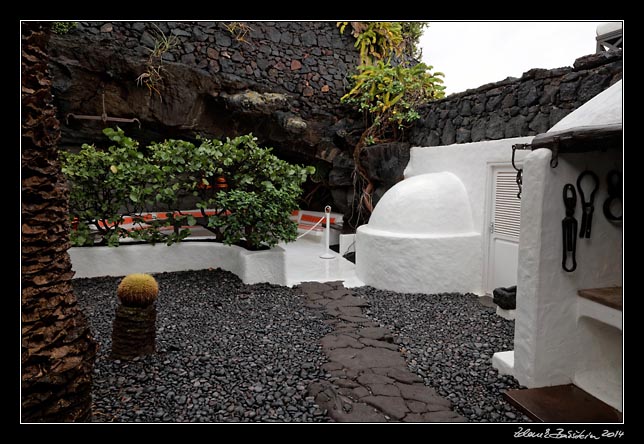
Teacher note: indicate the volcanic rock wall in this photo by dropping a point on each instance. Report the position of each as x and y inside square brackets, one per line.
[526, 106]
[281, 80]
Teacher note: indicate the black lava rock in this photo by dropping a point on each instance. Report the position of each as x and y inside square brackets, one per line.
[506, 298]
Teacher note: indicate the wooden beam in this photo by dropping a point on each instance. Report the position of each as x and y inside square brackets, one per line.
[581, 139]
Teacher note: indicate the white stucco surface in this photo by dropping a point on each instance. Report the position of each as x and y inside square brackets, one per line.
[549, 346]
[435, 203]
[303, 264]
[420, 238]
[506, 314]
[471, 163]
[251, 266]
[416, 263]
[599, 367]
[504, 362]
[603, 109]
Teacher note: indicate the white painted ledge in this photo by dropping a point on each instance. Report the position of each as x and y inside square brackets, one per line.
[347, 244]
[602, 313]
[506, 314]
[250, 266]
[504, 362]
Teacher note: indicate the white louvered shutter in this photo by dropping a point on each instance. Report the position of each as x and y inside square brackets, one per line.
[507, 207]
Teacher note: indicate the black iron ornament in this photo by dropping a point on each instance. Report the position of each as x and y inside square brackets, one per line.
[103, 117]
[569, 228]
[614, 184]
[587, 207]
[519, 178]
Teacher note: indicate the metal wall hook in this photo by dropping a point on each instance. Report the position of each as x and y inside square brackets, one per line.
[103, 117]
[554, 160]
[519, 178]
[614, 185]
[569, 229]
[587, 206]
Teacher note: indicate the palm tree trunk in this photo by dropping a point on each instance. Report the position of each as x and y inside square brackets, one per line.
[57, 348]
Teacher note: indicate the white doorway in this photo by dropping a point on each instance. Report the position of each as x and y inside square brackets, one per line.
[503, 217]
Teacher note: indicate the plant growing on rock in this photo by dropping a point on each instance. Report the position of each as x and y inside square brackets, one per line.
[63, 27]
[134, 326]
[375, 40]
[387, 93]
[239, 30]
[152, 77]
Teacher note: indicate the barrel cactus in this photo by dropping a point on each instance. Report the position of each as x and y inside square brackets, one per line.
[138, 290]
[134, 327]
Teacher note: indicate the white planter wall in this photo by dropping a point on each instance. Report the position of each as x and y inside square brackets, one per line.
[251, 266]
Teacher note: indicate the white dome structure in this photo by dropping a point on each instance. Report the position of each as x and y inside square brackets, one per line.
[420, 238]
[435, 204]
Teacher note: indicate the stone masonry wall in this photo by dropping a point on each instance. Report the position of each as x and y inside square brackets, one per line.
[282, 81]
[514, 107]
[307, 59]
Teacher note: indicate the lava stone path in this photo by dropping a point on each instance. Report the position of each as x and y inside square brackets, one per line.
[370, 381]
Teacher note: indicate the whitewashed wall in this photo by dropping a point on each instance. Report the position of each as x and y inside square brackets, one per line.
[552, 341]
[470, 162]
[420, 238]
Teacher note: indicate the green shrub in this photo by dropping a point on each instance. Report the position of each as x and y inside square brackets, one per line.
[254, 209]
[389, 95]
[63, 27]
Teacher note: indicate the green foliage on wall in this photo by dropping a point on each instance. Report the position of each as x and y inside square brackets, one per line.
[388, 88]
[63, 27]
[389, 95]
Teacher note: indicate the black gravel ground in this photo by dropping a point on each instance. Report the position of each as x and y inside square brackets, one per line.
[449, 341]
[226, 352]
[229, 352]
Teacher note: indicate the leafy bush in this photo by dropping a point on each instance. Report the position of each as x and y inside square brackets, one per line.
[389, 95]
[63, 27]
[376, 40]
[253, 210]
[105, 184]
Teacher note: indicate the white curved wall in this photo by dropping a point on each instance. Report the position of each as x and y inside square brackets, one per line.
[420, 238]
[471, 163]
[251, 266]
[418, 264]
[603, 109]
